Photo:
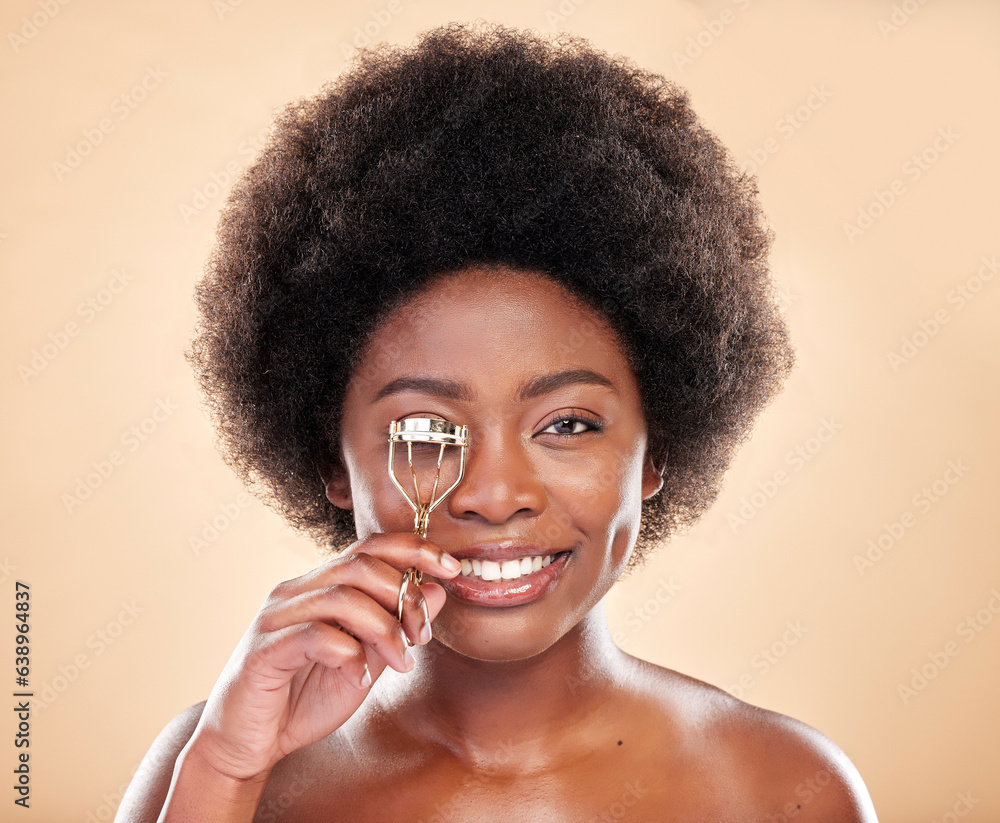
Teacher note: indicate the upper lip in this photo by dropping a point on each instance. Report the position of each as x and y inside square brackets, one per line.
[502, 551]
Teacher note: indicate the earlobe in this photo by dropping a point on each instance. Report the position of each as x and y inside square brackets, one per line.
[652, 476]
[338, 487]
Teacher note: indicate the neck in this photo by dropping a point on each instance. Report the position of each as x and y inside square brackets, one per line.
[508, 714]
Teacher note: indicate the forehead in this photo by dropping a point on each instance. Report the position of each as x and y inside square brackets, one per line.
[493, 323]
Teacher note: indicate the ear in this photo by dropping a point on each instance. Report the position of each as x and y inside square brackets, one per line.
[337, 485]
[652, 475]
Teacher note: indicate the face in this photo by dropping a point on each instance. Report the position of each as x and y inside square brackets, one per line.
[555, 467]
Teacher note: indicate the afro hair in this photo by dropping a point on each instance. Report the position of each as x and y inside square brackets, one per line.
[483, 144]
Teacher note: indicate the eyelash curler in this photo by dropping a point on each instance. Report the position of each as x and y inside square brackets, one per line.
[424, 430]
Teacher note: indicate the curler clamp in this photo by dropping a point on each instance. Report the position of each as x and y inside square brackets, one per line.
[426, 430]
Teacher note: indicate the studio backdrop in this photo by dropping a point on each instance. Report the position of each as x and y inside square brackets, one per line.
[848, 574]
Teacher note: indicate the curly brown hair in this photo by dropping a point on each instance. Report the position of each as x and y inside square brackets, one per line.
[490, 145]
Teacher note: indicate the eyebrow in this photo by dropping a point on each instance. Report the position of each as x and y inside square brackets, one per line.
[453, 390]
[570, 377]
[439, 387]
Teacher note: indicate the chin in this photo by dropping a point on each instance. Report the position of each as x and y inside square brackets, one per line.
[492, 640]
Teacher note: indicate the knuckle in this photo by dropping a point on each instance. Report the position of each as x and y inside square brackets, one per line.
[263, 623]
[339, 594]
[257, 654]
[389, 638]
[427, 553]
[364, 561]
[334, 592]
[312, 631]
[279, 592]
[355, 654]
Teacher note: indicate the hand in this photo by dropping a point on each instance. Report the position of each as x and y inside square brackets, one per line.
[309, 658]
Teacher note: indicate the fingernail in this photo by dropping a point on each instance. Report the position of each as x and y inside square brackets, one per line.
[366, 681]
[450, 563]
[408, 659]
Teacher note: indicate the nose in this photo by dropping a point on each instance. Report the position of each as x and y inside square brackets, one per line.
[500, 481]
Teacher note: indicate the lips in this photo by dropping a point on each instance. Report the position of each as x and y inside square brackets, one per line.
[503, 592]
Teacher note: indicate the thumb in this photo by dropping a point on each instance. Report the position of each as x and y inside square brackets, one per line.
[434, 596]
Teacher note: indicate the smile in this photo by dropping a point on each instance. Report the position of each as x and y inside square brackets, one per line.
[486, 582]
[507, 570]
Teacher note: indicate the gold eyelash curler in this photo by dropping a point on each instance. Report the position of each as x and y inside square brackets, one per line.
[424, 430]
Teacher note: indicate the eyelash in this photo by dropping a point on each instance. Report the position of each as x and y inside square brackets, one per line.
[574, 416]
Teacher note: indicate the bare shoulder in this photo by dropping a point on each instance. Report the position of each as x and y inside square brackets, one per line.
[148, 790]
[801, 773]
[783, 769]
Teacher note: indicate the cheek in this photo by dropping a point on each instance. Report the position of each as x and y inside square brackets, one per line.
[366, 519]
[625, 525]
[378, 505]
[624, 521]
[602, 498]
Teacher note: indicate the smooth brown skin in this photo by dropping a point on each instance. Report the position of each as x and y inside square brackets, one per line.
[516, 713]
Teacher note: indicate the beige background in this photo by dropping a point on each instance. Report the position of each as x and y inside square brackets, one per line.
[132, 618]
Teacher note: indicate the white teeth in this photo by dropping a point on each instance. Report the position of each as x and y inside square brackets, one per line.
[508, 570]
[491, 570]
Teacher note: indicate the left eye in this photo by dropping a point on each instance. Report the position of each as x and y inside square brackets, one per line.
[569, 425]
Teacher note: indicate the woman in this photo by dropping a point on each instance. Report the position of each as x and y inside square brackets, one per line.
[541, 242]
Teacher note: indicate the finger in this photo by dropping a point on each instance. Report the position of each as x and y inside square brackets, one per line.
[371, 574]
[399, 551]
[278, 656]
[434, 596]
[418, 613]
[381, 583]
[354, 612]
